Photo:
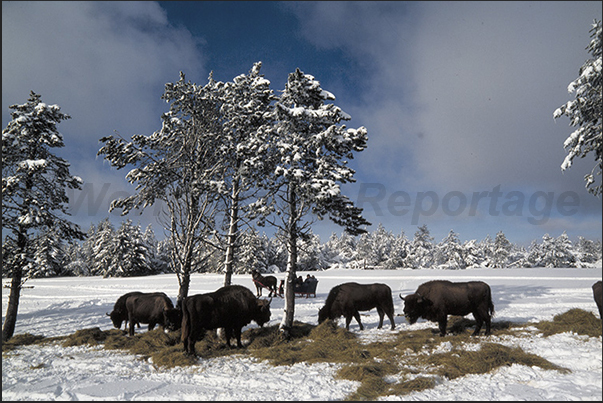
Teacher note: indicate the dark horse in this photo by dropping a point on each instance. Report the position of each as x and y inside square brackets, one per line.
[260, 282]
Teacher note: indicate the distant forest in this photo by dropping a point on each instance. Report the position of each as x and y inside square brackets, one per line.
[130, 251]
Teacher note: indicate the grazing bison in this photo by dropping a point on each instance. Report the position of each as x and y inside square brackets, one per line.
[597, 295]
[260, 282]
[230, 307]
[153, 308]
[349, 298]
[437, 299]
[119, 314]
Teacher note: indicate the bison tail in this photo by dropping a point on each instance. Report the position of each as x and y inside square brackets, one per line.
[490, 304]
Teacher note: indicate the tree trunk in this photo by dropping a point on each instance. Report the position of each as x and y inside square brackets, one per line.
[232, 233]
[184, 279]
[8, 328]
[287, 322]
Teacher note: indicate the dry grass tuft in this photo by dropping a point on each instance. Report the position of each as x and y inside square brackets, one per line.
[490, 356]
[371, 376]
[575, 320]
[322, 343]
[23, 339]
[414, 385]
[92, 336]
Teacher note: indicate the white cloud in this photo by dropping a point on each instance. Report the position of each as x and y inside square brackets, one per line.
[461, 95]
[463, 92]
[104, 63]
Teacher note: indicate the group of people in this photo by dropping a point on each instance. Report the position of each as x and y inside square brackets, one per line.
[300, 285]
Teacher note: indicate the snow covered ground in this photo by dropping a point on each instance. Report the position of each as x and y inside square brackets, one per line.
[60, 306]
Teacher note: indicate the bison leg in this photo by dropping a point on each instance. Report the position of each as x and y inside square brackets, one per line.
[131, 328]
[481, 316]
[478, 324]
[381, 315]
[189, 342]
[189, 346]
[237, 332]
[348, 319]
[357, 316]
[151, 326]
[391, 320]
[442, 322]
[228, 335]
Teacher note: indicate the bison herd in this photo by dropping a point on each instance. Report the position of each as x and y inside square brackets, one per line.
[233, 307]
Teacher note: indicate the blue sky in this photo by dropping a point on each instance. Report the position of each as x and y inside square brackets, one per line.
[457, 97]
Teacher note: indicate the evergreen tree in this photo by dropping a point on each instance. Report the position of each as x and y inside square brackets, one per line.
[47, 251]
[552, 252]
[311, 151]
[564, 255]
[309, 252]
[245, 106]
[129, 253]
[585, 112]
[155, 264]
[449, 253]
[473, 253]
[502, 249]
[421, 249]
[587, 251]
[398, 253]
[487, 251]
[252, 253]
[34, 183]
[103, 249]
[75, 261]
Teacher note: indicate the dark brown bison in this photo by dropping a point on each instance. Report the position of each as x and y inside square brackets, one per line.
[597, 295]
[154, 308]
[349, 298]
[231, 308]
[260, 282]
[437, 299]
[119, 314]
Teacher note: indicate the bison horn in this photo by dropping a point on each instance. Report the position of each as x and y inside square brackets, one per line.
[401, 297]
[107, 313]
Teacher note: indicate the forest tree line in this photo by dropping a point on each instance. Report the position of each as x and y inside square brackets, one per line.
[128, 250]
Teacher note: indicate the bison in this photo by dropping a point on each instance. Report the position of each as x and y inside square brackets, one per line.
[349, 298]
[597, 295]
[437, 299]
[153, 308]
[260, 282]
[119, 314]
[230, 307]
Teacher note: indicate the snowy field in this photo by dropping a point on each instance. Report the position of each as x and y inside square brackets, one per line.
[61, 306]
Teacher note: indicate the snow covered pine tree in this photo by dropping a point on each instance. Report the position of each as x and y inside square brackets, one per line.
[310, 161]
[33, 188]
[585, 112]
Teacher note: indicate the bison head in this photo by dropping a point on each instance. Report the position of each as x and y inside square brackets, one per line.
[117, 317]
[263, 313]
[323, 314]
[415, 306]
[172, 318]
